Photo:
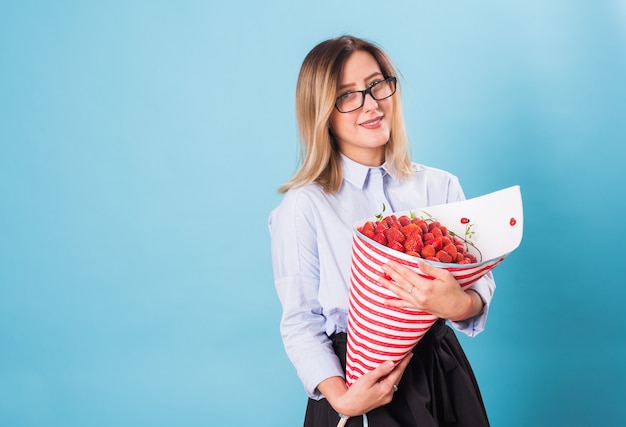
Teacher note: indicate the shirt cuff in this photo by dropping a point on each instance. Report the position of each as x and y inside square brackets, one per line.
[485, 288]
[318, 370]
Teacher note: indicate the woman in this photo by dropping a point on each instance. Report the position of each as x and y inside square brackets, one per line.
[355, 163]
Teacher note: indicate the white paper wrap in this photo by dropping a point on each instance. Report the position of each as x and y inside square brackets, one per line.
[377, 332]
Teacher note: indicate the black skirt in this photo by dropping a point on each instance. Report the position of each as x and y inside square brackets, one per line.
[438, 389]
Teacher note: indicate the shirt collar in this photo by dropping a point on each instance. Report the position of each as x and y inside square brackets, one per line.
[356, 173]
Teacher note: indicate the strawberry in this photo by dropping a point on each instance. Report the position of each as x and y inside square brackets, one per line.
[444, 256]
[434, 224]
[410, 228]
[436, 232]
[414, 243]
[390, 219]
[368, 233]
[428, 251]
[423, 225]
[404, 220]
[451, 249]
[397, 224]
[381, 227]
[471, 257]
[369, 225]
[395, 245]
[380, 238]
[394, 235]
[437, 243]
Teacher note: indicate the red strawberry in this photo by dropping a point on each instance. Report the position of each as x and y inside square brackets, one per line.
[415, 254]
[428, 251]
[423, 225]
[380, 238]
[410, 228]
[444, 256]
[414, 243]
[404, 220]
[381, 227]
[368, 233]
[369, 225]
[395, 245]
[434, 224]
[471, 257]
[451, 249]
[390, 219]
[394, 235]
[436, 232]
[437, 243]
[396, 224]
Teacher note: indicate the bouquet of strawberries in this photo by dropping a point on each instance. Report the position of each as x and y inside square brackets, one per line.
[448, 236]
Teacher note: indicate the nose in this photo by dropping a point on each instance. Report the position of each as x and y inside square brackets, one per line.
[369, 103]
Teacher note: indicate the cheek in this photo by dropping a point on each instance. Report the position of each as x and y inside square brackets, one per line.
[339, 123]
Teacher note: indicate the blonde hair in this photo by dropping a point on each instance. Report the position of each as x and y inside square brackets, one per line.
[316, 92]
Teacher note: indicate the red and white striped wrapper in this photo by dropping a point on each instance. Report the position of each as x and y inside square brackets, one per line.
[377, 332]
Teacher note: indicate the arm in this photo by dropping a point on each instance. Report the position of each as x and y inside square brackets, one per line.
[296, 273]
[370, 391]
[441, 296]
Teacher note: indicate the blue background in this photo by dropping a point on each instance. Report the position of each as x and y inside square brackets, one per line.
[142, 143]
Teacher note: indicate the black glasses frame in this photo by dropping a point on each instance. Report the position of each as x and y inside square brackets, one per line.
[369, 91]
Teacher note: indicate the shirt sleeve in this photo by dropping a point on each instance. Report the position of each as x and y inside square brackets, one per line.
[296, 274]
[471, 327]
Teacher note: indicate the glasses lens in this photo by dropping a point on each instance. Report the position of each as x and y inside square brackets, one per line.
[384, 89]
[349, 101]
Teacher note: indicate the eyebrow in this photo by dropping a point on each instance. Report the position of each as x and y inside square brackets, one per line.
[371, 76]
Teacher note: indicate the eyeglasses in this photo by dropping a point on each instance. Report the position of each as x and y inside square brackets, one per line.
[351, 101]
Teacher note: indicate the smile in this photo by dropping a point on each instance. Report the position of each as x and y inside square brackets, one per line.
[374, 123]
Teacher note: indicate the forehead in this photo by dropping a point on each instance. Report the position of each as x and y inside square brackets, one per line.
[358, 67]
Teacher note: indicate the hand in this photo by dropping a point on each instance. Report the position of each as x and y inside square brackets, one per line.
[368, 392]
[440, 295]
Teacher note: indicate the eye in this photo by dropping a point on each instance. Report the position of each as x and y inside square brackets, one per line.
[346, 95]
[375, 82]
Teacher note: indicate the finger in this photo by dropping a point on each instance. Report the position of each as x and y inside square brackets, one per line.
[389, 283]
[400, 303]
[381, 371]
[431, 270]
[395, 375]
[401, 276]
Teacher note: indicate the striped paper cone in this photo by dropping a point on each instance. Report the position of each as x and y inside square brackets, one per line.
[377, 332]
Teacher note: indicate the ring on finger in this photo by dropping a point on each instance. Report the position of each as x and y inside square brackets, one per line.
[411, 290]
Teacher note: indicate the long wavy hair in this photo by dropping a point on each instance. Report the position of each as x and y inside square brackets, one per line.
[316, 92]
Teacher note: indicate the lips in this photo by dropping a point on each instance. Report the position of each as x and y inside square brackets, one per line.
[373, 123]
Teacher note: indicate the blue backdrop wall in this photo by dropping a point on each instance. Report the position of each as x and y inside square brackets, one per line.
[142, 143]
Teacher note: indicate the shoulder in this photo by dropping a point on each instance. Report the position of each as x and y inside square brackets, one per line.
[421, 171]
[298, 201]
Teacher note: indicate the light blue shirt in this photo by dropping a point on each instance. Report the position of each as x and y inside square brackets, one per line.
[311, 234]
